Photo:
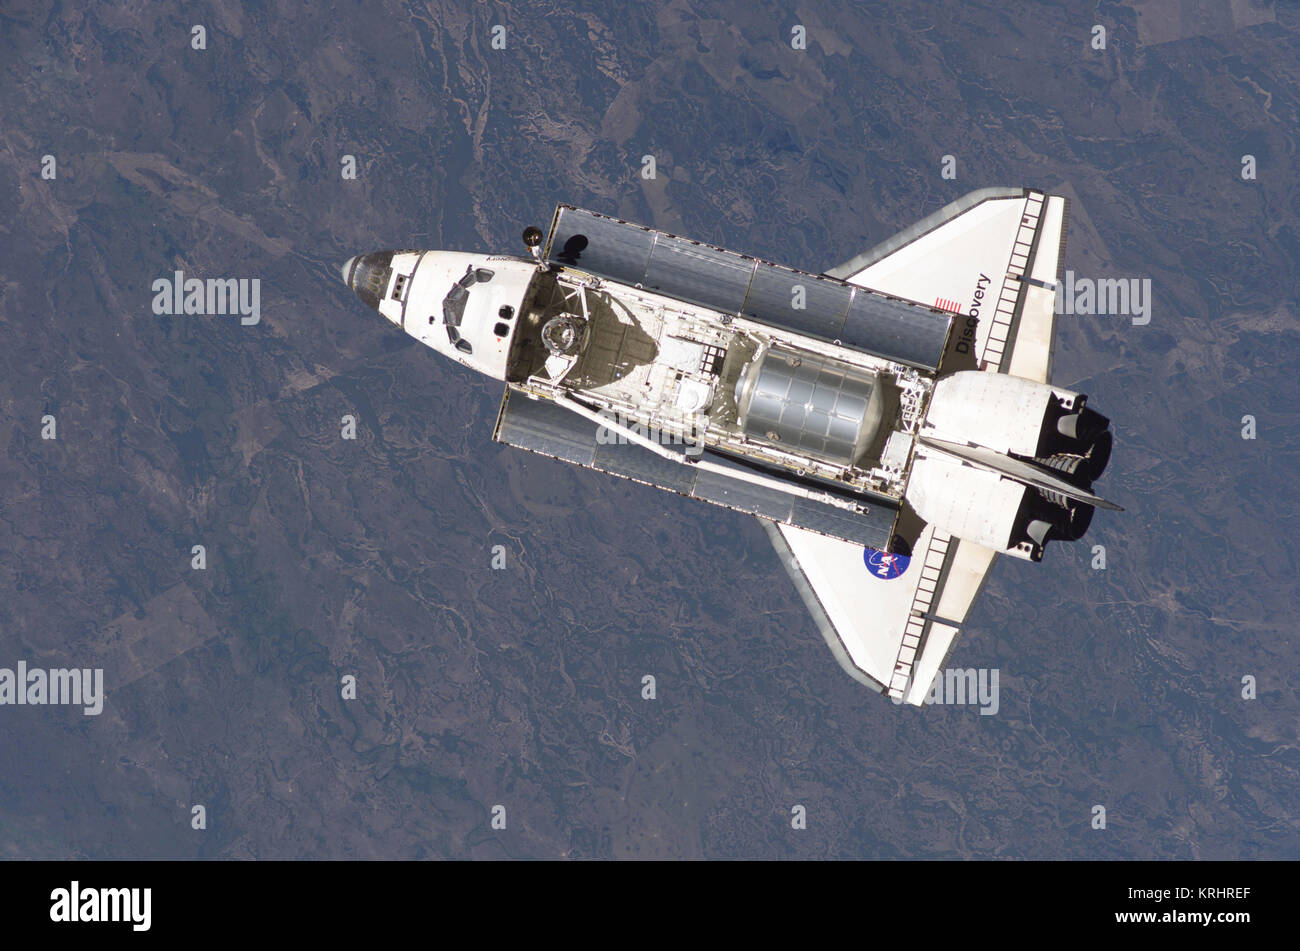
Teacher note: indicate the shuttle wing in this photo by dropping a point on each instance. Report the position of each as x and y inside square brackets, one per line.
[994, 255]
[889, 620]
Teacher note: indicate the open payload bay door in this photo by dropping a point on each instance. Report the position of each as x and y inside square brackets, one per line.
[890, 620]
[732, 284]
[995, 254]
[544, 427]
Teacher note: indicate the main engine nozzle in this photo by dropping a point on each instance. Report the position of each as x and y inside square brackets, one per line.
[1083, 426]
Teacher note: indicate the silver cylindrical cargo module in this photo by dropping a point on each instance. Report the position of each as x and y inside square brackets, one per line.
[809, 404]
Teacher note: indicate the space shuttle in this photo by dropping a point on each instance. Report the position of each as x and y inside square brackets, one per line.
[891, 422]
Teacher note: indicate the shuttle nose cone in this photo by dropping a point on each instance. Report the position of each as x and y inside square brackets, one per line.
[368, 275]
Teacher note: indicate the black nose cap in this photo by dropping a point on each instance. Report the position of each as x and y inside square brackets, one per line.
[368, 276]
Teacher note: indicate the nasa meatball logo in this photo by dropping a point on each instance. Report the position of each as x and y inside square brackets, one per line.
[884, 565]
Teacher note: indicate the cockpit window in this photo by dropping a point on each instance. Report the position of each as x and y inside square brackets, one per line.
[453, 305]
